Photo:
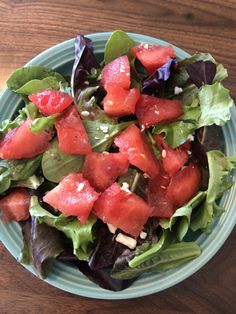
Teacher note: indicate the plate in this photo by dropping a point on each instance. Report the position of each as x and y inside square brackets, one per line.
[61, 57]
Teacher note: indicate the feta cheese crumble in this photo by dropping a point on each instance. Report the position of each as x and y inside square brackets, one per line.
[127, 241]
[178, 90]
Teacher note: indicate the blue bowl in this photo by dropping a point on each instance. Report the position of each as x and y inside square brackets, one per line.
[61, 57]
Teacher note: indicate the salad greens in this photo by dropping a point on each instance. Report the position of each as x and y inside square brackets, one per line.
[81, 235]
[219, 168]
[43, 123]
[92, 246]
[201, 72]
[32, 79]
[167, 258]
[118, 44]
[84, 63]
[41, 244]
[181, 219]
[12, 172]
[102, 132]
[215, 104]
[56, 164]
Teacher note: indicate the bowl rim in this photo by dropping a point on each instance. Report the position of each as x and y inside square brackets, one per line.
[187, 269]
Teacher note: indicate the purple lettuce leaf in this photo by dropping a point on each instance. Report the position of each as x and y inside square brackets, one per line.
[84, 61]
[156, 81]
[201, 72]
[101, 277]
[42, 244]
[106, 251]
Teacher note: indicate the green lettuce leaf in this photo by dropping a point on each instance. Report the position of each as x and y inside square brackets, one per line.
[87, 102]
[26, 74]
[8, 124]
[81, 235]
[13, 171]
[215, 104]
[32, 182]
[172, 256]
[36, 85]
[118, 44]
[56, 164]
[150, 252]
[219, 168]
[182, 217]
[43, 123]
[176, 133]
[102, 132]
[136, 181]
[31, 111]
[210, 106]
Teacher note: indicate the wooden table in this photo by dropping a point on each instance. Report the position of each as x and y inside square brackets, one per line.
[29, 27]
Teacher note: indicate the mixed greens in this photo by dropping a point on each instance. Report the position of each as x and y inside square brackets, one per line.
[113, 255]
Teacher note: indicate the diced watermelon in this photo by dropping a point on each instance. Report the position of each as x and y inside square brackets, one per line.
[23, 143]
[51, 101]
[165, 194]
[15, 205]
[124, 210]
[153, 57]
[116, 72]
[73, 196]
[119, 101]
[71, 133]
[184, 185]
[156, 194]
[101, 170]
[172, 159]
[133, 144]
[151, 110]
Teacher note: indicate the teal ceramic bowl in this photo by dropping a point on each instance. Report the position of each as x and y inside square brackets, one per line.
[67, 278]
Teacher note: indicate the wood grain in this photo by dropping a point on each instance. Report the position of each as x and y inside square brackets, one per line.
[29, 27]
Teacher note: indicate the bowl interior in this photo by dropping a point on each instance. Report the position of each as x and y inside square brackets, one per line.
[65, 277]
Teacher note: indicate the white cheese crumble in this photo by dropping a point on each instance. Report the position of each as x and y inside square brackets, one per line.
[143, 235]
[127, 241]
[178, 90]
[163, 153]
[85, 113]
[122, 68]
[104, 128]
[163, 187]
[111, 228]
[80, 187]
[190, 137]
[131, 149]
[125, 187]
[109, 103]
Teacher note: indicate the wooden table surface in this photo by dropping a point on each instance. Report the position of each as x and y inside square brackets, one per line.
[29, 27]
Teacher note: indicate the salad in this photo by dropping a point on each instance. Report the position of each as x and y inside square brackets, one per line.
[118, 168]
